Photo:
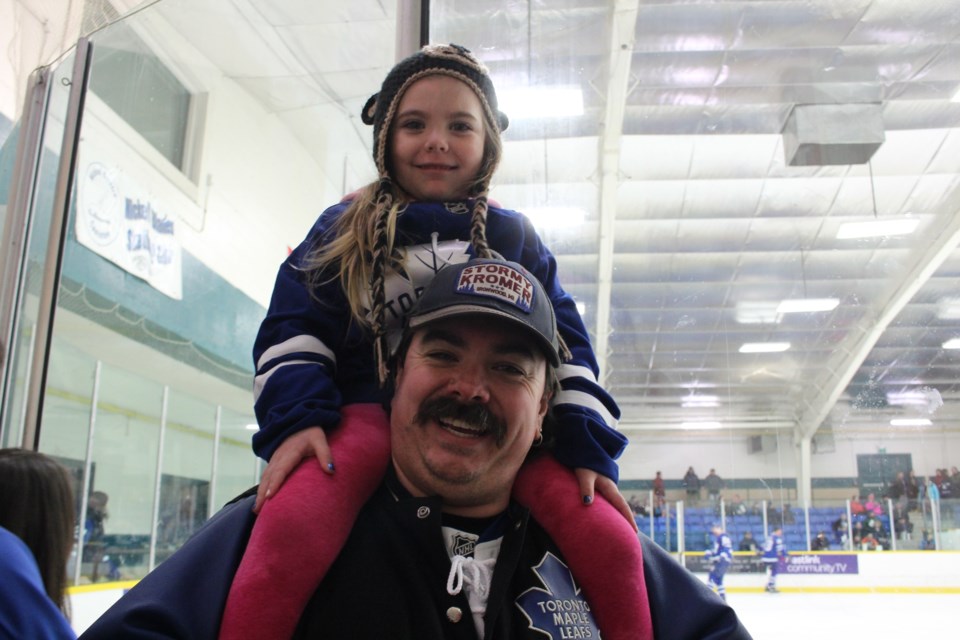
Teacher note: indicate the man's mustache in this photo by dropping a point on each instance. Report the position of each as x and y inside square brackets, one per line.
[476, 415]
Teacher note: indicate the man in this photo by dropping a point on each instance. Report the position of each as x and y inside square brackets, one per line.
[714, 484]
[774, 553]
[441, 550]
[720, 557]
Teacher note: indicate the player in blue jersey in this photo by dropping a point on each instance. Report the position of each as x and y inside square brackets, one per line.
[774, 552]
[720, 557]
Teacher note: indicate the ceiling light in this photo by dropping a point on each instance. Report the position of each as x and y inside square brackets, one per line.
[910, 422]
[253, 427]
[806, 305]
[541, 102]
[757, 313]
[700, 402]
[948, 309]
[877, 228]
[953, 343]
[764, 347]
[907, 398]
[555, 217]
[700, 425]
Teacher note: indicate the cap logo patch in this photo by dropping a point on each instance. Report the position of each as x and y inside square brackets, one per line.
[497, 281]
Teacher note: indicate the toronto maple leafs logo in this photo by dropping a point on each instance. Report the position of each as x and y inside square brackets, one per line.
[402, 287]
[558, 612]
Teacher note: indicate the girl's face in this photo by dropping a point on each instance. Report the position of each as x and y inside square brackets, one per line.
[437, 140]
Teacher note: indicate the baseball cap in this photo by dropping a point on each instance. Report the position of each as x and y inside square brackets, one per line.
[491, 287]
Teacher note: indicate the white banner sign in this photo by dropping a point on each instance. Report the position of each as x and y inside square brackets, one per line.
[122, 222]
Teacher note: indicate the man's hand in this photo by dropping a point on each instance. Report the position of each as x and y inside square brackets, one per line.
[590, 480]
[288, 455]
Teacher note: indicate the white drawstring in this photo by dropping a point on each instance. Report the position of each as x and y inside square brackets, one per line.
[477, 575]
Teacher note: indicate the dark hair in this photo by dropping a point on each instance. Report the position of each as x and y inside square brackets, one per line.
[36, 505]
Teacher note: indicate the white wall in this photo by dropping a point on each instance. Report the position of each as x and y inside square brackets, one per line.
[727, 453]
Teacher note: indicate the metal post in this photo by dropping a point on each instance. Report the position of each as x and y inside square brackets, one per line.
[87, 464]
[59, 218]
[849, 527]
[806, 519]
[155, 520]
[653, 512]
[16, 227]
[413, 26]
[893, 526]
[766, 530]
[211, 499]
[681, 528]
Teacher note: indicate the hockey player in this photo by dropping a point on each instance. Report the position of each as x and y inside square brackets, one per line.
[774, 551]
[720, 556]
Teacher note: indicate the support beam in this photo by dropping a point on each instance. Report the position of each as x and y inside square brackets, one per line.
[623, 27]
[928, 255]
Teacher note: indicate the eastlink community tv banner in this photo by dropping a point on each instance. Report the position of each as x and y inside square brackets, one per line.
[798, 563]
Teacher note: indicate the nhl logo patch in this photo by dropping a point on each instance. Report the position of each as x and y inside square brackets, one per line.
[500, 282]
[463, 545]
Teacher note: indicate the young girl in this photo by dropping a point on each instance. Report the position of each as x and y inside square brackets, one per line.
[436, 147]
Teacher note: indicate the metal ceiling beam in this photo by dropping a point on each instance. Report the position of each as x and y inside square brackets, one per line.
[622, 29]
[928, 254]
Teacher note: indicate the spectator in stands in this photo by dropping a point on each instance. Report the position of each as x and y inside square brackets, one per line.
[714, 484]
[857, 534]
[904, 527]
[927, 542]
[691, 481]
[873, 528]
[737, 506]
[788, 516]
[820, 543]
[856, 507]
[869, 543]
[635, 505]
[898, 490]
[947, 490]
[748, 543]
[913, 491]
[659, 491]
[36, 536]
[840, 528]
[872, 506]
[955, 476]
[774, 517]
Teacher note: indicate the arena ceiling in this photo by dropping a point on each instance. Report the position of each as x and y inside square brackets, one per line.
[722, 153]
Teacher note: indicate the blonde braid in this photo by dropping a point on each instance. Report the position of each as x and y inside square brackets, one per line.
[381, 250]
[478, 228]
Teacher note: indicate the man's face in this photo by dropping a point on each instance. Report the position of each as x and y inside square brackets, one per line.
[468, 404]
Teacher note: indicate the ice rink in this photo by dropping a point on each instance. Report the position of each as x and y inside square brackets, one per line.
[832, 616]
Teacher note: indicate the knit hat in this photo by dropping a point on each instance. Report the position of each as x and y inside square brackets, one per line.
[449, 59]
[493, 288]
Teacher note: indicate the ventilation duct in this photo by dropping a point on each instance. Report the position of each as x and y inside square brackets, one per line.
[828, 134]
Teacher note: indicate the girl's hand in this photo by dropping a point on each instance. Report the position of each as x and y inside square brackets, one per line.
[288, 455]
[590, 480]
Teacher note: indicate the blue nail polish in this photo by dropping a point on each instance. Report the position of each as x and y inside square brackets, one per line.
[587, 499]
[330, 466]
